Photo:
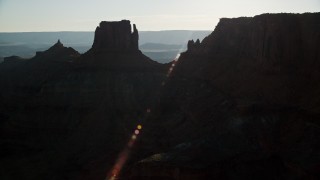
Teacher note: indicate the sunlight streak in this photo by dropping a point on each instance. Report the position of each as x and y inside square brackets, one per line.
[124, 155]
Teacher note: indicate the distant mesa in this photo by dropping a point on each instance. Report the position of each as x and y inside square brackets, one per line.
[116, 36]
[12, 59]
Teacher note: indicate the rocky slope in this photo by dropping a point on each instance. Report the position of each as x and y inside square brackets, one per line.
[66, 116]
[242, 104]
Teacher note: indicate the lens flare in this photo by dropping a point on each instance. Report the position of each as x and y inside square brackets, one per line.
[173, 64]
[133, 137]
[115, 171]
[177, 57]
[123, 157]
[130, 144]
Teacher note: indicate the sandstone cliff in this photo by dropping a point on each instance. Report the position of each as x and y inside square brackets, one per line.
[242, 104]
[270, 58]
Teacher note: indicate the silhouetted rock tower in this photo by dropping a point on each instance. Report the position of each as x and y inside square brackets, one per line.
[116, 36]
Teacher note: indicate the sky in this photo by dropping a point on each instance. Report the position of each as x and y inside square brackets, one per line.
[153, 15]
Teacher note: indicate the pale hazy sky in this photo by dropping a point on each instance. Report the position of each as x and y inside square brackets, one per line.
[85, 15]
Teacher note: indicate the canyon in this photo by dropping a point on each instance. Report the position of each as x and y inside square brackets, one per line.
[240, 104]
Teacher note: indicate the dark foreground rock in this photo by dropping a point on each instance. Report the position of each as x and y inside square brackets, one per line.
[242, 104]
[66, 116]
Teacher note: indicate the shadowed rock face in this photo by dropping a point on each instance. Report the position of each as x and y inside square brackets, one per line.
[67, 116]
[242, 104]
[116, 36]
[271, 58]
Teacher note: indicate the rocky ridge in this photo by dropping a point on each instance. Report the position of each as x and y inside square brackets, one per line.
[66, 116]
[242, 104]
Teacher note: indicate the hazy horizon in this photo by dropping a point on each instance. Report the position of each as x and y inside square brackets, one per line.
[94, 31]
[80, 15]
